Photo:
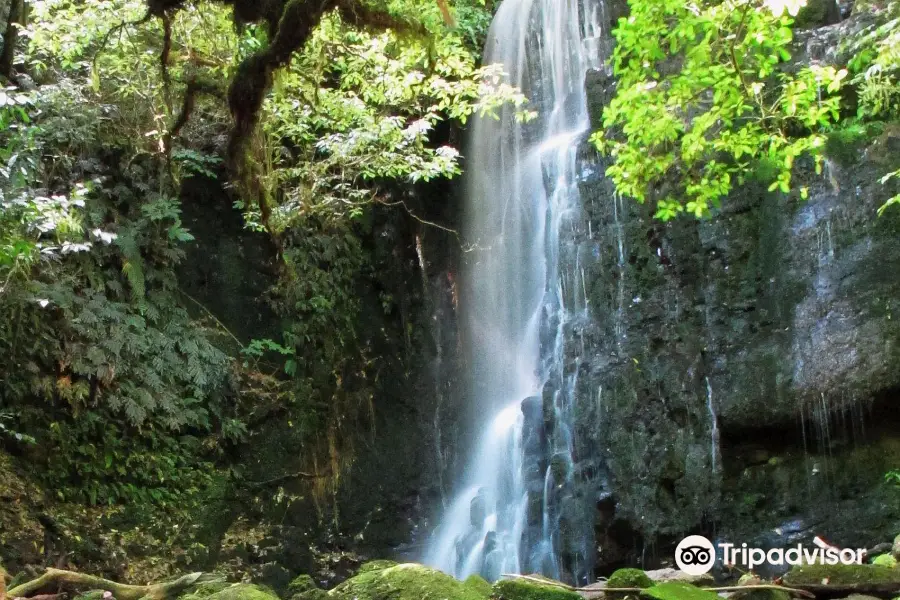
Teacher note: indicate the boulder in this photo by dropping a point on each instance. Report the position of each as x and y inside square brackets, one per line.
[885, 560]
[840, 575]
[243, 591]
[670, 574]
[407, 582]
[677, 590]
[629, 578]
[526, 589]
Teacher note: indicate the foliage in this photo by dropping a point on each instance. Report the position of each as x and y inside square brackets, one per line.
[893, 477]
[629, 578]
[105, 371]
[357, 107]
[107, 367]
[876, 64]
[702, 94]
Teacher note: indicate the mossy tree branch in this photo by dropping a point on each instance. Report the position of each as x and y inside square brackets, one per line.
[122, 591]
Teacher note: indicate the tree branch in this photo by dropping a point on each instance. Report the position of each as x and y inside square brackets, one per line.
[122, 591]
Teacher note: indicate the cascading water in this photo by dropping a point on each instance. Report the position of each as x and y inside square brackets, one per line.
[522, 290]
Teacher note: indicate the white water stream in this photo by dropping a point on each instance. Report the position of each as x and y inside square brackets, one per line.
[521, 290]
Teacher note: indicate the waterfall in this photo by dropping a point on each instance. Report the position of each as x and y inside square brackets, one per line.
[521, 290]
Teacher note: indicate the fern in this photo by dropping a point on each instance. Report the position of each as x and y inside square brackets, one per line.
[133, 264]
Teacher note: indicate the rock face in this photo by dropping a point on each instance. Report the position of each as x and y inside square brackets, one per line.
[752, 346]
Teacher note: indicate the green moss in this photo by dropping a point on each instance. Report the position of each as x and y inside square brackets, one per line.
[817, 13]
[885, 560]
[405, 582]
[520, 589]
[313, 594]
[678, 591]
[243, 591]
[205, 590]
[478, 584]
[300, 584]
[841, 574]
[629, 578]
[375, 565]
[846, 143]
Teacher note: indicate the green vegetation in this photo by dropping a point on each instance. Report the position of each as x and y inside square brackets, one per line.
[327, 131]
[678, 591]
[406, 582]
[629, 578]
[702, 95]
[885, 560]
[133, 397]
[841, 574]
[521, 589]
[876, 68]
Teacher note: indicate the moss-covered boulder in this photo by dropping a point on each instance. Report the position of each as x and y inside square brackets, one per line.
[207, 589]
[629, 578]
[479, 584]
[238, 591]
[303, 587]
[885, 560]
[840, 574]
[817, 13]
[313, 594]
[678, 590]
[523, 589]
[300, 584]
[375, 565]
[405, 582]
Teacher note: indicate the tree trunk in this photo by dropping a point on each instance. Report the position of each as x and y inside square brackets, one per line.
[14, 21]
[156, 591]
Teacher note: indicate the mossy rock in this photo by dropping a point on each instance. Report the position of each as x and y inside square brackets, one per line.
[205, 590]
[375, 565]
[629, 578]
[677, 590]
[479, 584]
[846, 144]
[885, 560]
[841, 574]
[243, 591]
[522, 589]
[300, 584]
[405, 582]
[762, 595]
[817, 13]
[313, 594]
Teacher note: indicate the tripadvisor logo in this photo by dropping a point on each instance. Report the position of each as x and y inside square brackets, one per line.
[695, 555]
